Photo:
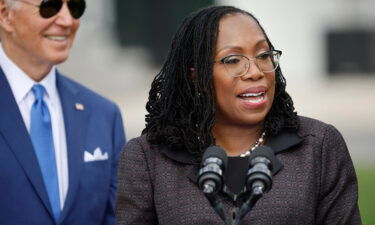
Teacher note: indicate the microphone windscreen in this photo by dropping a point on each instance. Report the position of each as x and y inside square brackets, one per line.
[217, 152]
[263, 151]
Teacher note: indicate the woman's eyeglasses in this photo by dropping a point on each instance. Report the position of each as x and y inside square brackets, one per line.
[238, 65]
[49, 8]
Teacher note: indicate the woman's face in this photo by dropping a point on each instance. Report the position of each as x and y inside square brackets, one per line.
[244, 100]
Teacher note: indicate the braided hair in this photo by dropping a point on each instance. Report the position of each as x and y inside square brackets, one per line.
[181, 105]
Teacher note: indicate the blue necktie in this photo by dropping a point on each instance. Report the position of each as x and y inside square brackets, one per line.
[42, 139]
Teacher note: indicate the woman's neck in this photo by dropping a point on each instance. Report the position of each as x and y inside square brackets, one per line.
[236, 140]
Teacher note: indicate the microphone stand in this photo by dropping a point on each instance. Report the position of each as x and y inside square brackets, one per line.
[216, 205]
[237, 213]
[249, 204]
[258, 182]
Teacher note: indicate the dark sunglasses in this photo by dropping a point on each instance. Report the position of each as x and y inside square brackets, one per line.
[49, 8]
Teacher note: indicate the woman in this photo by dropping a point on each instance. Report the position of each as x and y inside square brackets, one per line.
[222, 85]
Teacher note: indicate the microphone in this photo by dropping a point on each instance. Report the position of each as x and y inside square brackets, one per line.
[259, 176]
[214, 162]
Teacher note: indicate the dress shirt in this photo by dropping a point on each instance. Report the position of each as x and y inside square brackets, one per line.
[21, 85]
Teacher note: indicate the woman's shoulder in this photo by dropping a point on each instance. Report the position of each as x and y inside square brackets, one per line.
[312, 125]
[316, 128]
[139, 145]
[140, 141]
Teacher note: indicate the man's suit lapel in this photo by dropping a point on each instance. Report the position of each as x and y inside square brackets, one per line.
[14, 132]
[76, 120]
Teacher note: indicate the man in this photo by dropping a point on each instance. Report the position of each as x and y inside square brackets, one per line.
[59, 141]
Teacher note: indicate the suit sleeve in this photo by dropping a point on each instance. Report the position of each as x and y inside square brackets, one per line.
[118, 136]
[338, 183]
[135, 192]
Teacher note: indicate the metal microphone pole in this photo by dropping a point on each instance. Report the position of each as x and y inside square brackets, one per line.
[249, 204]
[217, 206]
[237, 214]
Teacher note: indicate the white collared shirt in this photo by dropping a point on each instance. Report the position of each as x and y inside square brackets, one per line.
[21, 85]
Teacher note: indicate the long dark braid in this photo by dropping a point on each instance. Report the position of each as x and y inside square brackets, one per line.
[181, 105]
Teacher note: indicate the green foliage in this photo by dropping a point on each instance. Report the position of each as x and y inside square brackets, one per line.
[366, 183]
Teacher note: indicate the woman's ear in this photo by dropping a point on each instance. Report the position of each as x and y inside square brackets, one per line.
[192, 73]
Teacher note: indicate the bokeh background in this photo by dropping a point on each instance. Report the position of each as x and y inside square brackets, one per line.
[328, 60]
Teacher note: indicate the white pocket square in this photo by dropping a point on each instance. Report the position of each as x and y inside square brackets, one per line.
[96, 156]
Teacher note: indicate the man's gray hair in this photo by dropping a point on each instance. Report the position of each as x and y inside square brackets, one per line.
[11, 3]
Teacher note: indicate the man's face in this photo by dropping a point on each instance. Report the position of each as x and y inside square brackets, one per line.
[39, 40]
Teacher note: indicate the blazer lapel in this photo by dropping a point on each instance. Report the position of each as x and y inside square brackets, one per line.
[281, 142]
[75, 119]
[13, 130]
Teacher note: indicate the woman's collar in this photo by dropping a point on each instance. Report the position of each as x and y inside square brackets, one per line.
[280, 142]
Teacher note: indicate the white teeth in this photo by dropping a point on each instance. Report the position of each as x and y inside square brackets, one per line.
[57, 38]
[256, 100]
[252, 94]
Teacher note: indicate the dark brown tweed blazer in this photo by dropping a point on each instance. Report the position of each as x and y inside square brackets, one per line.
[314, 183]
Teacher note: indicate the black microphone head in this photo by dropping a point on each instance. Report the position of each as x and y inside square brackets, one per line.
[259, 176]
[210, 178]
[263, 151]
[216, 152]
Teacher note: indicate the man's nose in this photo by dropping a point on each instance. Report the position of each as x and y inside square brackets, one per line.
[65, 18]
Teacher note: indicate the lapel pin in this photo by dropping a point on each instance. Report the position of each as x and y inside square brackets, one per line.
[80, 107]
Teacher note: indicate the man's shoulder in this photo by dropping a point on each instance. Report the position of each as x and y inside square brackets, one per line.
[84, 93]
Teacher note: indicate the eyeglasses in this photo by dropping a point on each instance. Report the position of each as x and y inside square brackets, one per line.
[49, 8]
[238, 65]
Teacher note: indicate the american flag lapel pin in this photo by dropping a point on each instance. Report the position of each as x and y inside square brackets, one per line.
[80, 107]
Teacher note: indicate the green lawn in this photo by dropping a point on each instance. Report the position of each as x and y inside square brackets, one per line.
[366, 183]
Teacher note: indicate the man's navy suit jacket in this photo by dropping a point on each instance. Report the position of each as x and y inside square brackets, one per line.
[92, 185]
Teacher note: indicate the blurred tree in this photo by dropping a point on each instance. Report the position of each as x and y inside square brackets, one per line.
[151, 24]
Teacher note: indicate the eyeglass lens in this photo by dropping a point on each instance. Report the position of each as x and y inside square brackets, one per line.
[49, 8]
[238, 65]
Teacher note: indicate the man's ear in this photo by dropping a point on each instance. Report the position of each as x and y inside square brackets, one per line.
[5, 16]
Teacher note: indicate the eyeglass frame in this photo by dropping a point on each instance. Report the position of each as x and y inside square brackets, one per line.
[278, 52]
[47, 17]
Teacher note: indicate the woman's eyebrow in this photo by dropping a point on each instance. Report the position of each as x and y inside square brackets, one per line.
[260, 42]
